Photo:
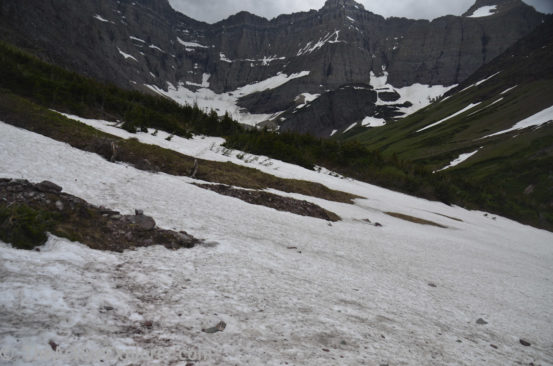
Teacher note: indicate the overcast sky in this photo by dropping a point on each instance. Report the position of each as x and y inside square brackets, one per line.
[214, 10]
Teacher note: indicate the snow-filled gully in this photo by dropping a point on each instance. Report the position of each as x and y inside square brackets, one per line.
[291, 289]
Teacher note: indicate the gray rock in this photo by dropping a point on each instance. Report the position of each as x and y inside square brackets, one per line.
[481, 321]
[48, 187]
[142, 222]
[525, 343]
[444, 51]
[219, 327]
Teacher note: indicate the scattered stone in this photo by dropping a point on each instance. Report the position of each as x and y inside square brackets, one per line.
[291, 248]
[148, 324]
[481, 321]
[219, 327]
[431, 284]
[525, 343]
[377, 224]
[493, 346]
[459, 341]
[53, 344]
[108, 308]
[139, 212]
[142, 222]
[48, 187]
[326, 350]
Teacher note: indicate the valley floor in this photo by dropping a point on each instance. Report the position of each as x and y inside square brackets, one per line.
[291, 289]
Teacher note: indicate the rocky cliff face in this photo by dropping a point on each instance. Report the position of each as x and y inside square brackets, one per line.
[316, 71]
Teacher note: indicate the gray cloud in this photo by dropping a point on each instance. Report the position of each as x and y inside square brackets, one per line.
[214, 10]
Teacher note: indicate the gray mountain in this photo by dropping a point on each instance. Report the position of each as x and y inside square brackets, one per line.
[318, 72]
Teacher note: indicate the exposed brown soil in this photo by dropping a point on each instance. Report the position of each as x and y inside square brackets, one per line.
[77, 220]
[24, 114]
[275, 201]
[414, 219]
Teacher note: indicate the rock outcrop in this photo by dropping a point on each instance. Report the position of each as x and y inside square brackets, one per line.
[140, 43]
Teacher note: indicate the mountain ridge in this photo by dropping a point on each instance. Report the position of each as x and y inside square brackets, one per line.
[147, 45]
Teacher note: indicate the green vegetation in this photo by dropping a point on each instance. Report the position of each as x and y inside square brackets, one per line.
[25, 227]
[511, 177]
[54, 87]
[23, 113]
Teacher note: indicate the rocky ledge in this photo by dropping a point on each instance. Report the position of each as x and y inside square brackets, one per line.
[28, 211]
[275, 201]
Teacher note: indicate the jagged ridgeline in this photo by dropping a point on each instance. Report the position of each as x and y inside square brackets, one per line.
[319, 72]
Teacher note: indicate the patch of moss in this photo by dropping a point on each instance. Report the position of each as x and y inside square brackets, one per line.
[25, 227]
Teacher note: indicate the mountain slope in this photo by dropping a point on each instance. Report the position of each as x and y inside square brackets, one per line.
[478, 117]
[289, 288]
[145, 44]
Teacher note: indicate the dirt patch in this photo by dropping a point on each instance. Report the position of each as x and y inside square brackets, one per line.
[28, 211]
[449, 217]
[414, 219]
[275, 201]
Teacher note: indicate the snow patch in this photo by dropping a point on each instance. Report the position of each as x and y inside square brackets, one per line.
[536, 120]
[484, 11]
[350, 276]
[204, 84]
[350, 127]
[328, 38]
[508, 90]
[227, 102]
[224, 58]
[470, 106]
[126, 55]
[419, 95]
[154, 47]
[190, 46]
[461, 158]
[100, 18]
[137, 39]
[373, 122]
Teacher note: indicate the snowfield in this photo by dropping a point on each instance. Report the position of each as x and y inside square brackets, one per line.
[347, 293]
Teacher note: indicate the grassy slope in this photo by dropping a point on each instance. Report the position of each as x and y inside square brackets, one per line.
[506, 164]
[37, 86]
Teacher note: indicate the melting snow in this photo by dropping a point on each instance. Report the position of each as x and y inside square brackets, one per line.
[538, 119]
[470, 106]
[419, 95]
[373, 122]
[333, 132]
[459, 160]
[484, 11]
[126, 55]
[227, 102]
[358, 291]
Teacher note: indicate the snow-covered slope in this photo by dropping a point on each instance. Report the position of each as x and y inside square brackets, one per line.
[347, 293]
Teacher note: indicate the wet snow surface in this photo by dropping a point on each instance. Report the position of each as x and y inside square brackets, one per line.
[356, 294]
[484, 11]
